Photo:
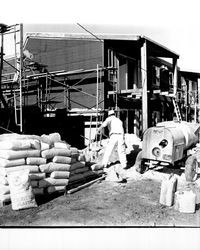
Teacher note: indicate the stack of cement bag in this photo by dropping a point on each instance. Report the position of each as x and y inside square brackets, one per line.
[19, 152]
[52, 163]
[63, 168]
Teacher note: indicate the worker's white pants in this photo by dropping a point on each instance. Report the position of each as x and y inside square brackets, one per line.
[119, 140]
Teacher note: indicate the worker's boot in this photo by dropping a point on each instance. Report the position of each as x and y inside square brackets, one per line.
[121, 174]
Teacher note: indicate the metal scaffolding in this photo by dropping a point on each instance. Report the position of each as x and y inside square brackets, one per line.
[13, 93]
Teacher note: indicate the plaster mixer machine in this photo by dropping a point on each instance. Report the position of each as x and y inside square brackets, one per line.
[174, 144]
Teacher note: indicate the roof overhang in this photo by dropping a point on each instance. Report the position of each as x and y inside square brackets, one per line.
[155, 49]
[190, 74]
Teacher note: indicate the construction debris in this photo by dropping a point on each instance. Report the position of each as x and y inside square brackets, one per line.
[95, 152]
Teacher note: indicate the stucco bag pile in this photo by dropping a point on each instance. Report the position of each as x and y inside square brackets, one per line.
[61, 158]
[36, 176]
[21, 192]
[14, 149]
[62, 168]
[20, 153]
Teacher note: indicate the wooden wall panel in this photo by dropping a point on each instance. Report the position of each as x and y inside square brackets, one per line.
[66, 54]
[69, 55]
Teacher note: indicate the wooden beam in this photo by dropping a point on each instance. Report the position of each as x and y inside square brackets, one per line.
[189, 92]
[127, 91]
[144, 86]
[198, 96]
[87, 184]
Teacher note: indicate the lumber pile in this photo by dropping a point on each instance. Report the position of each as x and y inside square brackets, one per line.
[52, 163]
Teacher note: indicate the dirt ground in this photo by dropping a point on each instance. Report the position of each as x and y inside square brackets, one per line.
[105, 203]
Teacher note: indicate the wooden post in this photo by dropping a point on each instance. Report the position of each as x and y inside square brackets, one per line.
[21, 75]
[105, 63]
[186, 102]
[198, 96]
[117, 86]
[195, 112]
[1, 70]
[97, 97]
[190, 93]
[144, 87]
[175, 76]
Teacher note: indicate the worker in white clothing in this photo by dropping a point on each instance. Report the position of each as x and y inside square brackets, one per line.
[116, 134]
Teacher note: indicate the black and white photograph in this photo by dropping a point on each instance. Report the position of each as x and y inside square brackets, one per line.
[100, 124]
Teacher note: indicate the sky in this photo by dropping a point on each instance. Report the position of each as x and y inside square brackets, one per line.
[173, 23]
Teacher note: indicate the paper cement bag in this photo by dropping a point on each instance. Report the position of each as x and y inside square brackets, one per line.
[21, 192]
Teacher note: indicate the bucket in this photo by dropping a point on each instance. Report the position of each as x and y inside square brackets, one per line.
[168, 189]
[185, 201]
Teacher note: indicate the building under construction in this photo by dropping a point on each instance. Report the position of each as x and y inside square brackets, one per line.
[67, 82]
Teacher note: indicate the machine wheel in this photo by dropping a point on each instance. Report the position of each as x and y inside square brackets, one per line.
[139, 163]
[191, 168]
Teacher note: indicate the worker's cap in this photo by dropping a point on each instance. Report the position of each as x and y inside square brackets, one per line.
[111, 112]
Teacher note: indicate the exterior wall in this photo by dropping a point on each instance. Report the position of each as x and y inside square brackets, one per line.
[70, 55]
[66, 54]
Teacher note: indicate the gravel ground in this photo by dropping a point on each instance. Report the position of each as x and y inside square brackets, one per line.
[106, 204]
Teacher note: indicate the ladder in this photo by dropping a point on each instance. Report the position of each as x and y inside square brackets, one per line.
[18, 43]
[177, 110]
[16, 99]
[99, 119]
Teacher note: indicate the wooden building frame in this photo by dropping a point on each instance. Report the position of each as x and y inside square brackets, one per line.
[190, 95]
[117, 53]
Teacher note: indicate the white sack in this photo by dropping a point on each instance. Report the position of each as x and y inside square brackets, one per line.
[50, 153]
[63, 159]
[34, 183]
[38, 191]
[35, 160]
[44, 146]
[74, 150]
[37, 176]
[11, 163]
[61, 145]
[18, 154]
[52, 182]
[53, 189]
[21, 192]
[60, 175]
[20, 144]
[31, 168]
[51, 166]
[51, 138]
